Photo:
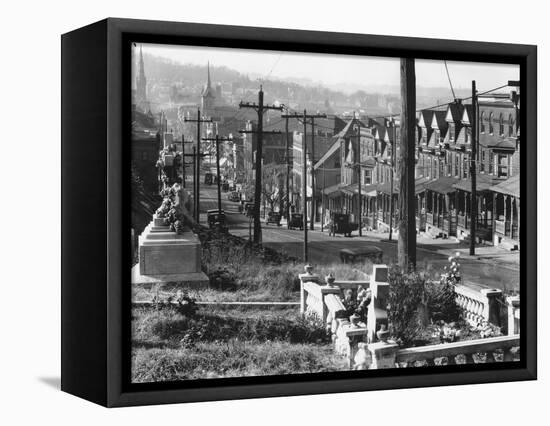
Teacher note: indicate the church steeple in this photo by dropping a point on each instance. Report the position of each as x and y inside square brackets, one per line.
[208, 96]
[141, 83]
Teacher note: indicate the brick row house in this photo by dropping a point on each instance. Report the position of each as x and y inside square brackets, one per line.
[443, 181]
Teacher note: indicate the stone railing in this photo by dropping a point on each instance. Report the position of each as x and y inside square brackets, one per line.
[512, 304]
[493, 349]
[479, 307]
[364, 347]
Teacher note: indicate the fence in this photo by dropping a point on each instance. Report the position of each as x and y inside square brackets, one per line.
[363, 345]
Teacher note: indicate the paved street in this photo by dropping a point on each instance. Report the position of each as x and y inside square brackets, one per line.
[492, 268]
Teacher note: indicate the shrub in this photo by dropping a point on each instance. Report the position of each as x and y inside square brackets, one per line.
[441, 301]
[441, 296]
[406, 295]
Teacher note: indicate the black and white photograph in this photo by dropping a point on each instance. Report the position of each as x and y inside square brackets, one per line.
[296, 213]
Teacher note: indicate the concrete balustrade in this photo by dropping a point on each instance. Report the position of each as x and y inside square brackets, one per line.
[359, 343]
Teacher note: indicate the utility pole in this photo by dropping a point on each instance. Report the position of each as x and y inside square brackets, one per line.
[194, 156]
[182, 161]
[406, 242]
[198, 120]
[313, 206]
[304, 186]
[217, 141]
[304, 119]
[288, 171]
[260, 109]
[391, 123]
[473, 204]
[357, 169]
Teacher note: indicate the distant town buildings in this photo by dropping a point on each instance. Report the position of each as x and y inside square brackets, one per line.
[354, 149]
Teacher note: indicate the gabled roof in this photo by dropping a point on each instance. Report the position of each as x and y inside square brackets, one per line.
[333, 149]
[379, 132]
[467, 114]
[454, 112]
[508, 187]
[439, 122]
[425, 118]
[483, 183]
[443, 185]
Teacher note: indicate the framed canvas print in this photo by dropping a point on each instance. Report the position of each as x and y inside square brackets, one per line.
[253, 212]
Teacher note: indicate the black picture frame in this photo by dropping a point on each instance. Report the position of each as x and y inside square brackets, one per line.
[95, 282]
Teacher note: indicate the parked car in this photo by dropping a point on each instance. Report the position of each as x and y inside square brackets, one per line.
[340, 224]
[233, 196]
[274, 217]
[351, 255]
[249, 209]
[296, 221]
[216, 219]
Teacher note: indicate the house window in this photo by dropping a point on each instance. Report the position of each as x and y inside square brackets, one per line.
[491, 163]
[451, 132]
[510, 125]
[482, 162]
[491, 129]
[482, 122]
[457, 165]
[501, 125]
[464, 167]
[502, 166]
[367, 177]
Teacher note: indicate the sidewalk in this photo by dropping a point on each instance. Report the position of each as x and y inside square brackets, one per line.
[446, 247]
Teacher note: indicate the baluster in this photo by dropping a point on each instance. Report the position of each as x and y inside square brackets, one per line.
[460, 359]
[441, 361]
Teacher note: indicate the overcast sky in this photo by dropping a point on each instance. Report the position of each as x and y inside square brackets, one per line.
[339, 69]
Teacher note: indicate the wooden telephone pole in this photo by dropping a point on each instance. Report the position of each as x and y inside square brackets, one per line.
[194, 162]
[288, 171]
[473, 204]
[260, 109]
[217, 141]
[406, 242]
[198, 120]
[391, 124]
[304, 119]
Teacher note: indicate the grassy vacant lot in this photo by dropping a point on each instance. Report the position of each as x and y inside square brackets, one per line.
[223, 342]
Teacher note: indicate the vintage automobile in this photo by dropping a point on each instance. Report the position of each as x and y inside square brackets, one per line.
[249, 209]
[274, 217]
[340, 224]
[351, 255]
[296, 221]
[233, 196]
[216, 219]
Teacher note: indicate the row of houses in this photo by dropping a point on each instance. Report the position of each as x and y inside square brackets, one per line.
[364, 153]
